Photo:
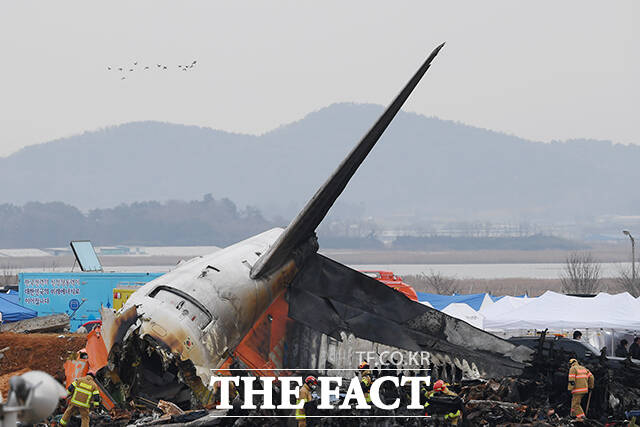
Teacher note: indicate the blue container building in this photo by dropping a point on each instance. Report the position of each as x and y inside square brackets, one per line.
[80, 294]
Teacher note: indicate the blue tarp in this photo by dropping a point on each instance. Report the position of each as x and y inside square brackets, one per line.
[12, 296]
[12, 311]
[439, 302]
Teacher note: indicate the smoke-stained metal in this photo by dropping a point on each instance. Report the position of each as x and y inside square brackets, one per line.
[334, 299]
[201, 310]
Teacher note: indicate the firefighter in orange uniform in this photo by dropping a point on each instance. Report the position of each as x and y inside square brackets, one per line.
[581, 380]
[85, 395]
[310, 384]
[452, 412]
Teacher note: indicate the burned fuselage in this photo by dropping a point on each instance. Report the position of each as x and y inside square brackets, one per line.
[195, 315]
[171, 334]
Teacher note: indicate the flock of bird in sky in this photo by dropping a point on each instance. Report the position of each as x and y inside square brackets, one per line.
[157, 67]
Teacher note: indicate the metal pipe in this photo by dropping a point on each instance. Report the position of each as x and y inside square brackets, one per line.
[633, 256]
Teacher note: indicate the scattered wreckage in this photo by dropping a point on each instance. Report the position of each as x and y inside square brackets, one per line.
[53, 323]
[272, 303]
[538, 396]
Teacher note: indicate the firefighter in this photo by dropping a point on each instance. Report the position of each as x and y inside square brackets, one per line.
[451, 408]
[310, 384]
[233, 392]
[365, 380]
[85, 395]
[581, 380]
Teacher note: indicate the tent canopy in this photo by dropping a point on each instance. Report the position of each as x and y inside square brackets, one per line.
[463, 312]
[12, 311]
[439, 302]
[553, 310]
[12, 296]
[503, 305]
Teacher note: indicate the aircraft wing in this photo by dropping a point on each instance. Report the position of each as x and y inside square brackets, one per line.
[332, 298]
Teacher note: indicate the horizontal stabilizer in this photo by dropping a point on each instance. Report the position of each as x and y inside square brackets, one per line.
[305, 224]
[331, 298]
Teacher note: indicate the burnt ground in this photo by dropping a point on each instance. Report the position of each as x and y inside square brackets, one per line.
[529, 400]
[44, 352]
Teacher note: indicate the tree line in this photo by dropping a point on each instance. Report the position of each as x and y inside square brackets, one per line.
[209, 221]
[217, 222]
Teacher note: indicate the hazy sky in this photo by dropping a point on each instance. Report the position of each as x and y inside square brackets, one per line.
[542, 70]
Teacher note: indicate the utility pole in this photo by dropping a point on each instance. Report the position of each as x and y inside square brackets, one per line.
[633, 256]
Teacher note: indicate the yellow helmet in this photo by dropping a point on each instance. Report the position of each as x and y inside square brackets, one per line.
[572, 361]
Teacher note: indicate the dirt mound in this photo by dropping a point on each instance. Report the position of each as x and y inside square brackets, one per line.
[4, 381]
[44, 352]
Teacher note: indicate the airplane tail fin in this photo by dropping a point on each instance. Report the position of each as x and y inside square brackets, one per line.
[305, 223]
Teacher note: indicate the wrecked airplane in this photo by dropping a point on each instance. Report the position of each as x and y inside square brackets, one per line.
[273, 302]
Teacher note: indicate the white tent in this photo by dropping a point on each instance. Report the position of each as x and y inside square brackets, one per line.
[503, 305]
[558, 311]
[427, 303]
[486, 303]
[462, 311]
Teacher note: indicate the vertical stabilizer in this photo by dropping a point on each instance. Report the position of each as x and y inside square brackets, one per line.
[306, 222]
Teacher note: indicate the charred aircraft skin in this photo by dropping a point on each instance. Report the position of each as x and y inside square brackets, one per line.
[202, 309]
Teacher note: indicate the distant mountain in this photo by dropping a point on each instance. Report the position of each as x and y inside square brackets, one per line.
[422, 165]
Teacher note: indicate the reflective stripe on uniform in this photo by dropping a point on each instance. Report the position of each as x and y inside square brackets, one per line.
[452, 414]
[300, 414]
[366, 380]
[82, 394]
[580, 390]
[428, 394]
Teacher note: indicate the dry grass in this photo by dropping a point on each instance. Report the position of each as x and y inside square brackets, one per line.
[601, 252]
[510, 286]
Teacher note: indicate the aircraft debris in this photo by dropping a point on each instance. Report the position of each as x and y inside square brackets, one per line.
[169, 408]
[175, 331]
[52, 323]
[155, 356]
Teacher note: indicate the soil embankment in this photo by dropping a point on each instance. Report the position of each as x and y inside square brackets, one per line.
[43, 352]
